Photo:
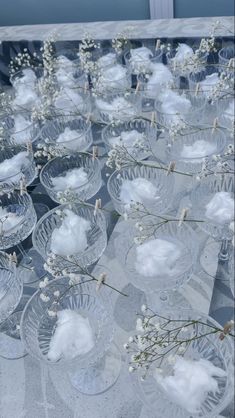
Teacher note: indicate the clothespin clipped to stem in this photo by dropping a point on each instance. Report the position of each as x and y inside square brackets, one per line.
[215, 125]
[100, 281]
[88, 117]
[137, 87]
[98, 205]
[29, 147]
[95, 152]
[183, 216]
[158, 44]
[171, 167]
[13, 257]
[153, 118]
[197, 89]
[23, 188]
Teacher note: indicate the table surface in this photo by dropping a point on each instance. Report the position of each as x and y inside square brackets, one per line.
[31, 389]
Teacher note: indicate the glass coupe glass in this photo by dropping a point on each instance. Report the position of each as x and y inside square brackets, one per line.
[201, 195]
[90, 373]
[184, 266]
[141, 65]
[210, 348]
[53, 129]
[11, 286]
[20, 207]
[164, 188]
[96, 236]
[26, 170]
[142, 126]
[117, 106]
[59, 166]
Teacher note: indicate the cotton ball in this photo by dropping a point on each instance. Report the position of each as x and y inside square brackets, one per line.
[127, 139]
[183, 52]
[12, 166]
[8, 220]
[137, 190]
[21, 133]
[73, 336]
[69, 100]
[209, 83]
[71, 237]
[156, 257]
[25, 98]
[114, 77]
[200, 148]
[119, 108]
[107, 60]
[29, 78]
[160, 76]
[140, 59]
[191, 382]
[220, 209]
[71, 139]
[72, 179]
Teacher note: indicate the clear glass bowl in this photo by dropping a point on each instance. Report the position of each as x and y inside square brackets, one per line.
[107, 81]
[96, 236]
[183, 119]
[183, 237]
[210, 348]
[20, 78]
[118, 106]
[225, 55]
[53, 129]
[90, 373]
[140, 65]
[202, 194]
[184, 67]
[142, 126]
[72, 102]
[216, 140]
[29, 133]
[59, 166]
[27, 170]
[22, 207]
[164, 188]
[11, 286]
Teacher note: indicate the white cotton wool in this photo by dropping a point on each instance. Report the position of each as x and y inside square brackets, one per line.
[160, 77]
[114, 77]
[156, 257]
[191, 382]
[29, 77]
[107, 60]
[137, 190]
[197, 150]
[220, 209]
[183, 53]
[73, 336]
[8, 220]
[71, 139]
[65, 78]
[21, 131]
[173, 102]
[127, 139]
[12, 166]
[72, 179]
[64, 63]
[119, 108]
[71, 236]
[25, 98]
[69, 100]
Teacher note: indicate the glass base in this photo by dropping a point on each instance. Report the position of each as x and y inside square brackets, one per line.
[166, 300]
[31, 268]
[11, 347]
[99, 377]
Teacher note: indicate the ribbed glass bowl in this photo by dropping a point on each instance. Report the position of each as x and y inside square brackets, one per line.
[164, 187]
[183, 237]
[96, 236]
[11, 286]
[225, 55]
[26, 135]
[107, 82]
[142, 126]
[187, 65]
[59, 166]
[202, 194]
[123, 112]
[73, 102]
[194, 165]
[37, 327]
[210, 348]
[22, 206]
[141, 65]
[27, 172]
[51, 131]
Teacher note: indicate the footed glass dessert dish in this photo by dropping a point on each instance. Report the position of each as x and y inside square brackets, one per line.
[82, 345]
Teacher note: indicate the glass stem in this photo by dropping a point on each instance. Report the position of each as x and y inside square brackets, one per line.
[224, 250]
[27, 259]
